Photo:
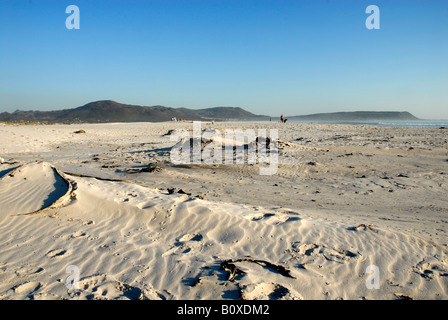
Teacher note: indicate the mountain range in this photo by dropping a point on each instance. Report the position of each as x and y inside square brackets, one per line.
[110, 111]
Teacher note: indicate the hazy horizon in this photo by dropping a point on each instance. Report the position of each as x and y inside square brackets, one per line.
[267, 57]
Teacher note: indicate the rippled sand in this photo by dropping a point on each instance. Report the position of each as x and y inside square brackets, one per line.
[110, 202]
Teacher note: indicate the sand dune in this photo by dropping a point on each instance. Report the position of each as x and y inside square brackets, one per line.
[133, 239]
[33, 188]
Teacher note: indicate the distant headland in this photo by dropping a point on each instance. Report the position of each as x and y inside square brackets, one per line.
[358, 116]
[105, 111]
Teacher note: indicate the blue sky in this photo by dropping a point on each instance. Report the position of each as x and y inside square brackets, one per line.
[266, 56]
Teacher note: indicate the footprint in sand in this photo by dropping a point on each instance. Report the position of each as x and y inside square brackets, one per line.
[45, 296]
[432, 267]
[28, 287]
[258, 216]
[190, 237]
[104, 287]
[185, 244]
[363, 227]
[268, 291]
[275, 218]
[56, 253]
[307, 249]
[23, 291]
[299, 250]
[78, 234]
[27, 271]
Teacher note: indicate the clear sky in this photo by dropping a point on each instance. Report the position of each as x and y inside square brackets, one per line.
[266, 56]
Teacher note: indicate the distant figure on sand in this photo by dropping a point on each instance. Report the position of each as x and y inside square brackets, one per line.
[282, 119]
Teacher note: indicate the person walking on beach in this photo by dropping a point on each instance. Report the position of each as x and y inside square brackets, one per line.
[282, 119]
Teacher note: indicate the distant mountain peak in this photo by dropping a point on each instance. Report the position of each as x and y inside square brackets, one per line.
[112, 111]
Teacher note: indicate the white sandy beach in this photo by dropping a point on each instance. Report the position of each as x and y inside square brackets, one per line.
[344, 197]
